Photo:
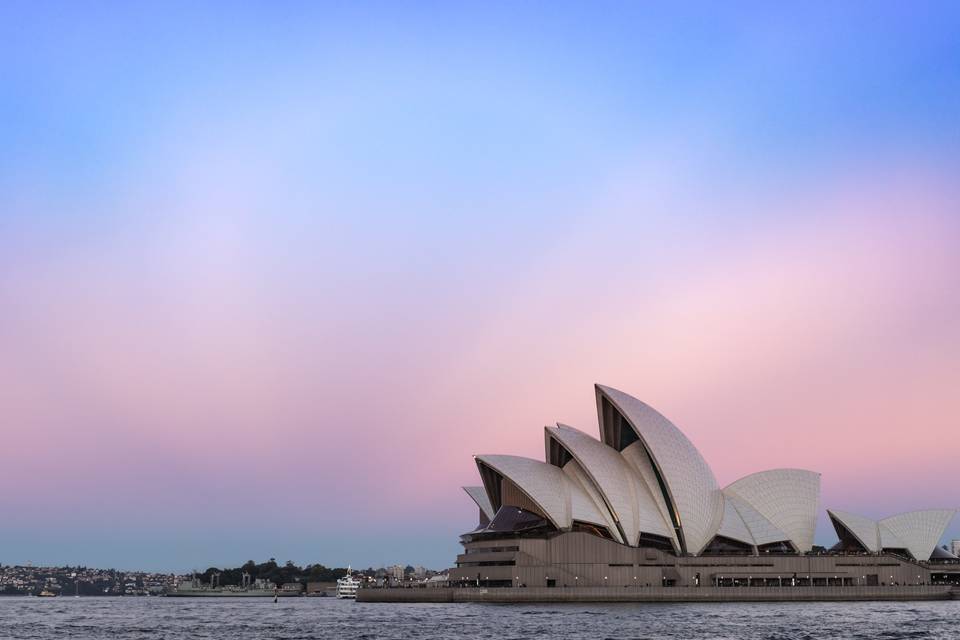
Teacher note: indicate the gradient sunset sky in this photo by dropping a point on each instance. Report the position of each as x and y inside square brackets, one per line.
[270, 272]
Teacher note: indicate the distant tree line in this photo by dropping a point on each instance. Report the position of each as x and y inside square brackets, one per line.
[274, 572]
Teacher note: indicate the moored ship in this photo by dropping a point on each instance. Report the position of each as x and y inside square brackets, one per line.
[259, 588]
[347, 586]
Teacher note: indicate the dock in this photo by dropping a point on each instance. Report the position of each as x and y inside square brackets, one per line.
[660, 594]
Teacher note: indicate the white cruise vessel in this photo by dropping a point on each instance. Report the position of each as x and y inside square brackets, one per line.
[347, 585]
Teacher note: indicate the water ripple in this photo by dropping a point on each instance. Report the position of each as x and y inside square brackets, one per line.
[322, 618]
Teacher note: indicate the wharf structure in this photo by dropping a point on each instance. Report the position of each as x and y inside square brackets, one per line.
[638, 515]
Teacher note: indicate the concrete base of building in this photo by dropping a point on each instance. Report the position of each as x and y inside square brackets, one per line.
[658, 594]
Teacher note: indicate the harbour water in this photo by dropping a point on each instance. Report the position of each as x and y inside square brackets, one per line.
[322, 618]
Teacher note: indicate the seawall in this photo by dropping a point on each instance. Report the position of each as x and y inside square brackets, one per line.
[658, 594]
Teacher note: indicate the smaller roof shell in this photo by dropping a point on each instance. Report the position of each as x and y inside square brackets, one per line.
[619, 484]
[761, 529]
[560, 498]
[638, 459]
[916, 531]
[888, 539]
[920, 530]
[788, 498]
[733, 526]
[862, 528]
[479, 496]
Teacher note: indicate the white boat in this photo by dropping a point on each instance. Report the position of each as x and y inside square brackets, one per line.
[347, 586]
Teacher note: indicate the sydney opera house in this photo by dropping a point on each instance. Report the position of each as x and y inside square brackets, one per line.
[641, 507]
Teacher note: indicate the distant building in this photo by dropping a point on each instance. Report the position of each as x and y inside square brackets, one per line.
[955, 547]
[395, 572]
[439, 580]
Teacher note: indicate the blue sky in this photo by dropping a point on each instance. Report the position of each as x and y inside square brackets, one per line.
[223, 226]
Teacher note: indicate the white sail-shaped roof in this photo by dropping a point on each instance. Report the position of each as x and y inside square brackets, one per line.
[744, 523]
[888, 539]
[733, 526]
[636, 456]
[762, 530]
[862, 528]
[558, 497]
[645, 478]
[620, 485]
[788, 498]
[585, 504]
[691, 489]
[916, 531]
[920, 531]
[939, 553]
[479, 495]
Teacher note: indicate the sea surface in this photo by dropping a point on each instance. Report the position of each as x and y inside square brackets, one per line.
[304, 618]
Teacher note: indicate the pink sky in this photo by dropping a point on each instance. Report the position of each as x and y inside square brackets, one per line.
[821, 335]
[267, 283]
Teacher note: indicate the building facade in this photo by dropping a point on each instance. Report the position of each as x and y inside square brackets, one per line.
[640, 507]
